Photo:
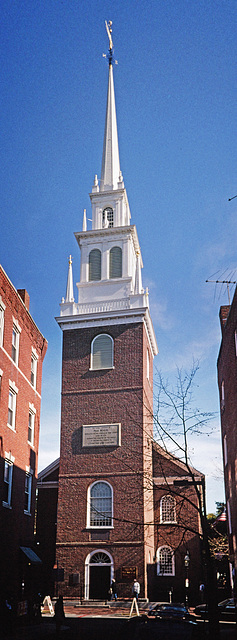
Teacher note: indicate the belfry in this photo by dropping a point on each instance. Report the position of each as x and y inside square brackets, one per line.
[105, 506]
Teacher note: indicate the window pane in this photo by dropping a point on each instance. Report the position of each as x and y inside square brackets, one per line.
[166, 561]
[168, 509]
[101, 505]
[95, 265]
[108, 217]
[102, 352]
[115, 262]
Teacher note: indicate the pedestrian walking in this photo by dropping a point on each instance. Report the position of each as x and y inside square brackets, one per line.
[113, 590]
[136, 589]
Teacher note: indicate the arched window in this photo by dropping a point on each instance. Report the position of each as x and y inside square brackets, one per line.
[165, 562]
[115, 262]
[100, 505]
[95, 265]
[102, 348]
[167, 509]
[108, 217]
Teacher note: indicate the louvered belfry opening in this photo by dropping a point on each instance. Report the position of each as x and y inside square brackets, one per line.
[95, 265]
[102, 352]
[115, 262]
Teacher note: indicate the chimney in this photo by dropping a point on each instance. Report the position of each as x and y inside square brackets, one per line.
[25, 297]
[223, 315]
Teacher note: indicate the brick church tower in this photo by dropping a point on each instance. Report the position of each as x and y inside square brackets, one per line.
[105, 506]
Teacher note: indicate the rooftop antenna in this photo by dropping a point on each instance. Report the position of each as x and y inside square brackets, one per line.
[110, 54]
[227, 282]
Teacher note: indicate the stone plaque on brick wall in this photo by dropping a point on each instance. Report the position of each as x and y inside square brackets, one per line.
[101, 435]
[128, 574]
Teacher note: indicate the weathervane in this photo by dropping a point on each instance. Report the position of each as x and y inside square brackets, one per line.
[110, 54]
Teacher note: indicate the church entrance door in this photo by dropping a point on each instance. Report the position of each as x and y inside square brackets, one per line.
[100, 565]
[99, 582]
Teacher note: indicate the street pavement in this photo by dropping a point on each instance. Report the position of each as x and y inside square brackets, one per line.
[111, 622]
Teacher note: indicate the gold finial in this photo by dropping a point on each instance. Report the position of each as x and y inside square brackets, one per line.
[70, 259]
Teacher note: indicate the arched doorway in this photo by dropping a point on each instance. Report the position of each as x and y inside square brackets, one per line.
[99, 572]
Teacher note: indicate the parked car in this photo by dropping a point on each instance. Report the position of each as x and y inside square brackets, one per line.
[170, 625]
[226, 609]
[170, 611]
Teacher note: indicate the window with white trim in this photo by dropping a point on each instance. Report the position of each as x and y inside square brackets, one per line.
[2, 309]
[147, 364]
[165, 561]
[115, 262]
[28, 486]
[95, 265]
[31, 424]
[168, 509]
[229, 516]
[102, 352]
[108, 217]
[225, 450]
[11, 420]
[15, 342]
[100, 502]
[222, 395]
[7, 483]
[33, 368]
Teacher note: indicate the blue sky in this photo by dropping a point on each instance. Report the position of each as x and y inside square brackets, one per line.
[176, 108]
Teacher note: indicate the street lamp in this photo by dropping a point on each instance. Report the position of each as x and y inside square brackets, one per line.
[186, 564]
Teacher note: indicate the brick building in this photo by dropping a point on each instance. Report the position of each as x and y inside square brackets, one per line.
[22, 351]
[109, 502]
[227, 383]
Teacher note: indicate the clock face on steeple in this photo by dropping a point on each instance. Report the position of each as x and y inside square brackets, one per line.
[108, 217]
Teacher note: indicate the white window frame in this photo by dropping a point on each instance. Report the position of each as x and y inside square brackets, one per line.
[167, 499]
[160, 572]
[28, 493]
[222, 395]
[32, 412]
[147, 364]
[225, 450]
[16, 330]
[111, 366]
[98, 526]
[8, 461]
[13, 391]
[2, 310]
[229, 516]
[33, 369]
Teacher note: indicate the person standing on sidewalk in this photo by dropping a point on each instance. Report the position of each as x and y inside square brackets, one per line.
[136, 589]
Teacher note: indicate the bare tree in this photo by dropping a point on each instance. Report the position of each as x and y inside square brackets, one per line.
[176, 419]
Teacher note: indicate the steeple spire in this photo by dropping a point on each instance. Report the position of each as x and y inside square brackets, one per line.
[110, 169]
[69, 291]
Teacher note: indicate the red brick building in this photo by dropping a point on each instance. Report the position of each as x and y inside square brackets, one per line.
[227, 383]
[110, 519]
[22, 351]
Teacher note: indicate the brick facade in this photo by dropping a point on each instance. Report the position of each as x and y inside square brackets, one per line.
[227, 383]
[16, 520]
[139, 472]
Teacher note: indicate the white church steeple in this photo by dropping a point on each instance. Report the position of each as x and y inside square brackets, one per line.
[110, 286]
[110, 169]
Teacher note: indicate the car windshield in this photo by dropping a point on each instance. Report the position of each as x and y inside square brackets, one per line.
[171, 607]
